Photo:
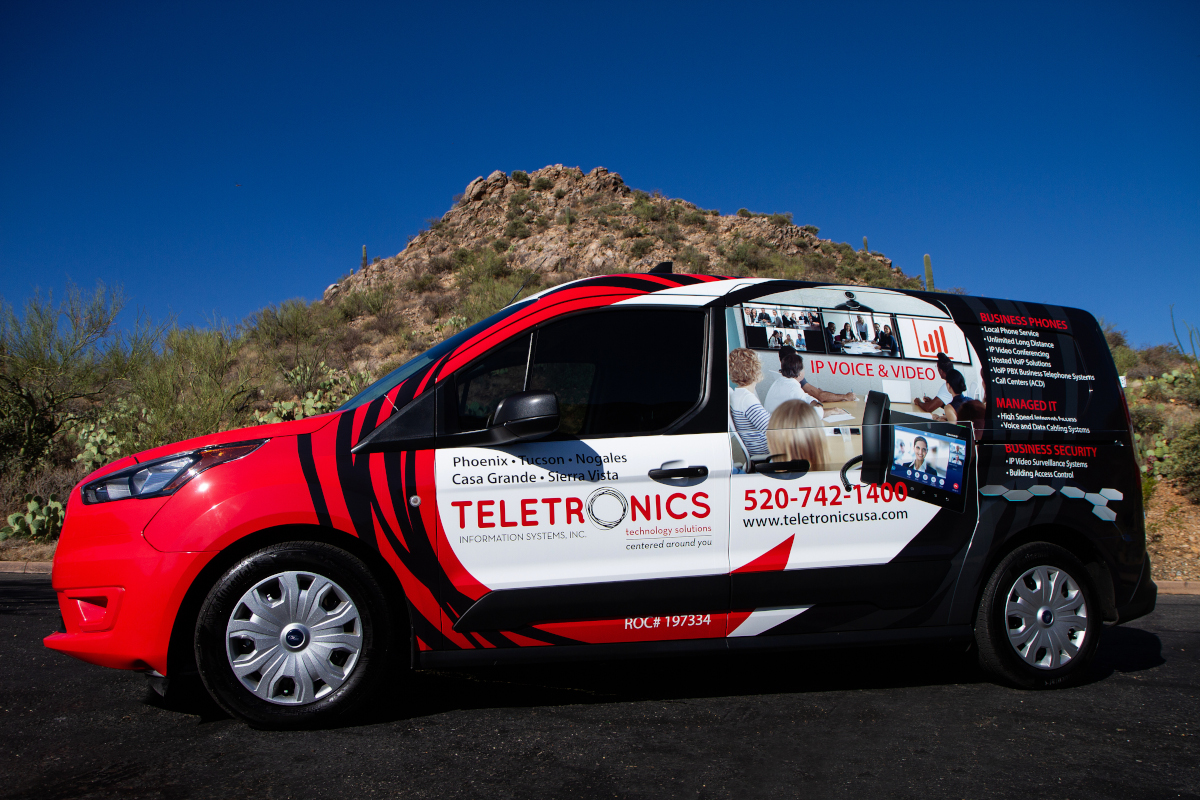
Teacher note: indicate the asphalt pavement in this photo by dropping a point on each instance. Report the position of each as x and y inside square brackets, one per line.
[899, 722]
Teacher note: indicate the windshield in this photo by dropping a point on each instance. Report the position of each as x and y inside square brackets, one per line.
[398, 375]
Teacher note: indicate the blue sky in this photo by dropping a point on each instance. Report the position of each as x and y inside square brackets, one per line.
[1037, 151]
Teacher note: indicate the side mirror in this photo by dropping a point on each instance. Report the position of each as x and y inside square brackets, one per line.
[520, 417]
[526, 416]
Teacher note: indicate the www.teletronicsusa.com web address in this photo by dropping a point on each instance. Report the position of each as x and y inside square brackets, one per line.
[823, 519]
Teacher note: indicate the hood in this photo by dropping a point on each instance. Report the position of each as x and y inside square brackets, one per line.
[293, 428]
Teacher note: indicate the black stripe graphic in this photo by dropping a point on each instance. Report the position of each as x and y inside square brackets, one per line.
[309, 465]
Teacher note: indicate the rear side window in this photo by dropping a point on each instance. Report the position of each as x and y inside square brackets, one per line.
[621, 372]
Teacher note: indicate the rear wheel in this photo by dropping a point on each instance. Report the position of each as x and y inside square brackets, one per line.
[1037, 625]
[294, 635]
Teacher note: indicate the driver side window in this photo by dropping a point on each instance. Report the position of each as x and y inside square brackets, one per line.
[481, 386]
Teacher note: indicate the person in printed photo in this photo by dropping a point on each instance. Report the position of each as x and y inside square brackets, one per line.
[796, 386]
[887, 342]
[750, 419]
[776, 340]
[795, 433]
[920, 459]
[863, 329]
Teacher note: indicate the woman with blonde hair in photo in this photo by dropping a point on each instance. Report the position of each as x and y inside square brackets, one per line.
[795, 432]
[749, 417]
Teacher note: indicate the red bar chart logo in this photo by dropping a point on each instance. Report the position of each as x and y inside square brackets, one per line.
[933, 343]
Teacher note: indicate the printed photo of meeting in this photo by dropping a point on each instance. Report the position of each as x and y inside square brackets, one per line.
[789, 403]
[774, 327]
[865, 334]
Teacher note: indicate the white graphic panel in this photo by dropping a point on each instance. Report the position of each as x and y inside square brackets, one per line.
[555, 513]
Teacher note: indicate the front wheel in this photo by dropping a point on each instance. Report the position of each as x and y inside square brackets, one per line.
[293, 635]
[1037, 626]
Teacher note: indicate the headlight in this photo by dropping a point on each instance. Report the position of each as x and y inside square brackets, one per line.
[165, 475]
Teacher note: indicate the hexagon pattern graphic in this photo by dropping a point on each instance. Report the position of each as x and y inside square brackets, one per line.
[1099, 500]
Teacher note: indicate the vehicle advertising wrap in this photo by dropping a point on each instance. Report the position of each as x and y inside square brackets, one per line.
[566, 512]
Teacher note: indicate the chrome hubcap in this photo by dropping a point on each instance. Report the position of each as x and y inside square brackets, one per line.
[1046, 616]
[294, 638]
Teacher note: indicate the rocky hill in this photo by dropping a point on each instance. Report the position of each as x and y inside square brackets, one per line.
[556, 224]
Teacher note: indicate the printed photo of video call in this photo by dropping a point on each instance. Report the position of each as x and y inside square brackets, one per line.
[770, 327]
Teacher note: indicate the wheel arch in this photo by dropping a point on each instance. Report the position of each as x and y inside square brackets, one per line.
[1073, 541]
[181, 659]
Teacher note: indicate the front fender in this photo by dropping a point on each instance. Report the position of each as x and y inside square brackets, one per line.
[266, 489]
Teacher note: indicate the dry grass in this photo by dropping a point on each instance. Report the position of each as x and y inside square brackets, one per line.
[25, 550]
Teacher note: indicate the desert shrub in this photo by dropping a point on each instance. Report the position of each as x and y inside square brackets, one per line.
[693, 258]
[749, 255]
[347, 341]
[517, 229]
[1185, 463]
[641, 247]
[56, 362]
[421, 283]
[542, 222]
[669, 233]
[695, 217]
[1146, 419]
[781, 219]
[334, 389]
[521, 177]
[439, 305]
[291, 321]
[196, 385]
[645, 209]
[567, 217]
[501, 245]
[389, 323]
[543, 184]
[365, 302]
[1125, 359]
[610, 209]
[560, 193]
[608, 241]
[813, 229]
[745, 213]
[486, 296]
[1155, 392]
[518, 201]
[1149, 484]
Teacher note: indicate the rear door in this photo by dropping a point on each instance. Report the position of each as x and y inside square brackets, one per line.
[614, 529]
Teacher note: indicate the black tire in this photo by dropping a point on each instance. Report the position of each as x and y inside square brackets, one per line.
[344, 583]
[1037, 665]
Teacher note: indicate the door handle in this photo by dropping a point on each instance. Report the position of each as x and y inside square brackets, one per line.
[678, 472]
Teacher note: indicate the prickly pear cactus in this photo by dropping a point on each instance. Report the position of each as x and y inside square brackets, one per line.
[41, 520]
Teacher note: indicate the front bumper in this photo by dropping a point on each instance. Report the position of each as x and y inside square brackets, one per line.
[119, 598]
[1144, 597]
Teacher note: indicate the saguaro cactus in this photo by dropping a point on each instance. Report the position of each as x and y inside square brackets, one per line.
[928, 274]
[364, 261]
[865, 248]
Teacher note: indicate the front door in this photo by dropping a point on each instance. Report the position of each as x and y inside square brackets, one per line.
[614, 529]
